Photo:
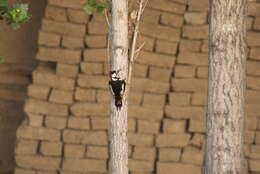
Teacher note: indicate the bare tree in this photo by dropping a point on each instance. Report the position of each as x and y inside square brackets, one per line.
[122, 63]
[227, 58]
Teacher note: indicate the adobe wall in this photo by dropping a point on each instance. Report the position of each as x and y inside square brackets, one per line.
[19, 48]
[68, 105]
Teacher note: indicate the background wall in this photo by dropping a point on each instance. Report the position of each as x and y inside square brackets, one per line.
[18, 48]
[67, 110]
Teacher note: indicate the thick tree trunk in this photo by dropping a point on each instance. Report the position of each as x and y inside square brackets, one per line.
[118, 130]
[227, 58]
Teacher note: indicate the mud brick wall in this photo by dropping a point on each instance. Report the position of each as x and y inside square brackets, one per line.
[68, 105]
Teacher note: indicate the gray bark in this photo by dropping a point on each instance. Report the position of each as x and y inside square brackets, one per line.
[118, 118]
[227, 58]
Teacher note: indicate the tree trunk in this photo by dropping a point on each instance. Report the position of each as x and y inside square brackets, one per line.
[227, 58]
[118, 130]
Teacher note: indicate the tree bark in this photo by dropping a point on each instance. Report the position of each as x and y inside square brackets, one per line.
[118, 118]
[227, 58]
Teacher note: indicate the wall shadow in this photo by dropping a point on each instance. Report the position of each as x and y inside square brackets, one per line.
[19, 48]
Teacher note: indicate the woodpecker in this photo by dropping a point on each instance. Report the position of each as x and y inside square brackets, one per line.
[117, 87]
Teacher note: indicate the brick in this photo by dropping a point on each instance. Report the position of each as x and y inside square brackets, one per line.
[38, 162]
[189, 85]
[190, 45]
[184, 71]
[168, 6]
[197, 140]
[160, 74]
[169, 154]
[95, 28]
[172, 20]
[202, 72]
[254, 152]
[160, 32]
[98, 18]
[55, 122]
[68, 29]
[93, 81]
[100, 123]
[251, 123]
[164, 168]
[192, 155]
[96, 41]
[35, 120]
[44, 172]
[257, 23]
[67, 70]
[254, 165]
[147, 85]
[138, 139]
[79, 123]
[152, 59]
[172, 140]
[184, 112]
[199, 98]
[154, 100]
[59, 55]
[148, 43]
[255, 53]
[26, 147]
[151, 16]
[82, 94]
[132, 125]
[252, 97]
[180, 99]
[257, 138]
[195, 18]
[253, 83]
[52, 80]
[103, 96]
[192, 58]
[14, 79]
[74, 151]
[55, 13]
[148, 127]
[61, 96]
[84, 165]
[196, 32]
[145, 113]
[252, 39]
[140, 166]
[72, 42]
[144, 153]
[174, 126]
[95, 55]
[41, 107]
[166, 47]
[89, 109]
[49, 39]
[140, 70]
[92, 68]
[77, 16]
[95, 138]
[72, 136]
[51, 148]
[33, 133]
[12, 95]
[135, 98]
[195, 6]
[252, 68]
[205, 46]
[249, 23]
[24, 171]
[96, 152]
[76, 4]
[249, 137]
[197, 125]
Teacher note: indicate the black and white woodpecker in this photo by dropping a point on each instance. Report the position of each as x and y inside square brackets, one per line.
[117, 87]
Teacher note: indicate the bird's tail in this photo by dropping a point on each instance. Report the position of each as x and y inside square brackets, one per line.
[118, 102]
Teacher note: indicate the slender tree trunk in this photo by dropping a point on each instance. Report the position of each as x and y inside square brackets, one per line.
[227, 58]
[118, 130]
